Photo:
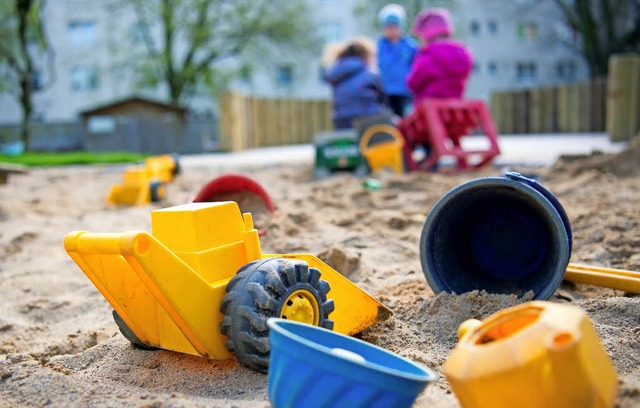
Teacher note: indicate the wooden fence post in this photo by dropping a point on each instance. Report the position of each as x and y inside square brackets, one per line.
[598, 104]
[521, 108]
[509, 112]
[503, 111]
[224, 124]
[496, 110]
[583, 107]
[327, 113]
[562, 98]
[233, 122]
[623, 99]
[536, 110]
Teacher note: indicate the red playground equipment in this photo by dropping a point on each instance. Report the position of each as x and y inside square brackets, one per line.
[440, 124]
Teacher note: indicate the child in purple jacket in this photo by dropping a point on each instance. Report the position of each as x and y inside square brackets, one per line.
[442, 65]
[357, 91]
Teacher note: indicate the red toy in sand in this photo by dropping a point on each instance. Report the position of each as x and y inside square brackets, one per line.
[224, 187]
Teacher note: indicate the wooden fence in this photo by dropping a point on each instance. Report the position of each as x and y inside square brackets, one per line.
[579, 107]
[248, 122]
[609, 105]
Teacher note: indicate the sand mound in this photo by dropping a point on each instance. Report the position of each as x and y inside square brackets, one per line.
[623, 164]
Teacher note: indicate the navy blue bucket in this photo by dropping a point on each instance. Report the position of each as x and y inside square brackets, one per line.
[500, 234]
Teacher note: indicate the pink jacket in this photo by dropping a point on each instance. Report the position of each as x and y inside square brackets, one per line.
[440, 70]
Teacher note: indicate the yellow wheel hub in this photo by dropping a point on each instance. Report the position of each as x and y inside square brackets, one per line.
[302, 307]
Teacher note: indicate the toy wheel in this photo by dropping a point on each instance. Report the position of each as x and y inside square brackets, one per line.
[265, 288]
[362, 170]
[321, 173]
[155, 187]
[177, 169]
[129, 335]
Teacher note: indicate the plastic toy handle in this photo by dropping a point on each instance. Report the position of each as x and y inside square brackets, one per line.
[380, 128]
[620, 279]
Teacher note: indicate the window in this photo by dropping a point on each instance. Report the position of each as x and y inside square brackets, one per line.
[101, 124]
[137, 33]
[527, 31]
[331, 31]
[566, 70]
[492, 27]
[284, 76]
[84, 78]
[526, 73]
[37, 82]
[474, 27]
[81, 34]
[492, 68]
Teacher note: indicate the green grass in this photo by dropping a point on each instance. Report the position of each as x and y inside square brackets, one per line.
[33, 159]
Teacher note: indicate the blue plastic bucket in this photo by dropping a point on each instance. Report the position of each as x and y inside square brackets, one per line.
[315, 367]
[500, 234]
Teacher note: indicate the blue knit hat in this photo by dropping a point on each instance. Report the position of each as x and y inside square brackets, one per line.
[392, 14]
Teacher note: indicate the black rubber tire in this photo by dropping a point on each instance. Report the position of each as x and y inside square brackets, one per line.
[362, 170]
[154, 188]
[322, 173]
[258, 292]
[129, 335]
[177, 169]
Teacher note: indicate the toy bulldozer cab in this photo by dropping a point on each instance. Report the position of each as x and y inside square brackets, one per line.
[199, 284]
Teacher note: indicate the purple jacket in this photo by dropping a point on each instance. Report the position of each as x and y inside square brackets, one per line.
[440, 70]
[357, 91]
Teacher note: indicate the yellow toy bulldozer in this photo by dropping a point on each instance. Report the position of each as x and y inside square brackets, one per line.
[145, 183]
[200, 284]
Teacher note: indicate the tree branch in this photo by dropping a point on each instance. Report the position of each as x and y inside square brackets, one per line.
[609, 20]
[630, 38]
[569, 15]
[10, 58]
[199, 33]
[143, 24]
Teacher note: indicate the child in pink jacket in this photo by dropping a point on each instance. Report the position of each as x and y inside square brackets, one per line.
[442, 65]
[440, 70]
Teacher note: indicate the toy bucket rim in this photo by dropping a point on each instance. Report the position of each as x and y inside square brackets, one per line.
[503, 181]
[277, 323]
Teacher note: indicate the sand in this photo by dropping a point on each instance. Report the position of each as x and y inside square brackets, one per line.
[59, 345]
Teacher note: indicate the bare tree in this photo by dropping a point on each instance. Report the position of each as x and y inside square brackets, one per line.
[603, 28]
[22, 38]
[185, 39]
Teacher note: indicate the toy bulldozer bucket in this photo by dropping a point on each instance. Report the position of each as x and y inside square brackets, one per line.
[387, 153]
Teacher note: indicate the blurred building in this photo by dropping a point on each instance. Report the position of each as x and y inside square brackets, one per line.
[516, 44]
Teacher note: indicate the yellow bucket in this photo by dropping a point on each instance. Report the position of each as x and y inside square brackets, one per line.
[386, 154]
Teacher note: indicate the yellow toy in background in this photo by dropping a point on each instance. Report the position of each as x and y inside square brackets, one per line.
[386, 153]
[538, 354]
[147, 183]
[137, 188]
[200, 284]
[163, 168]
